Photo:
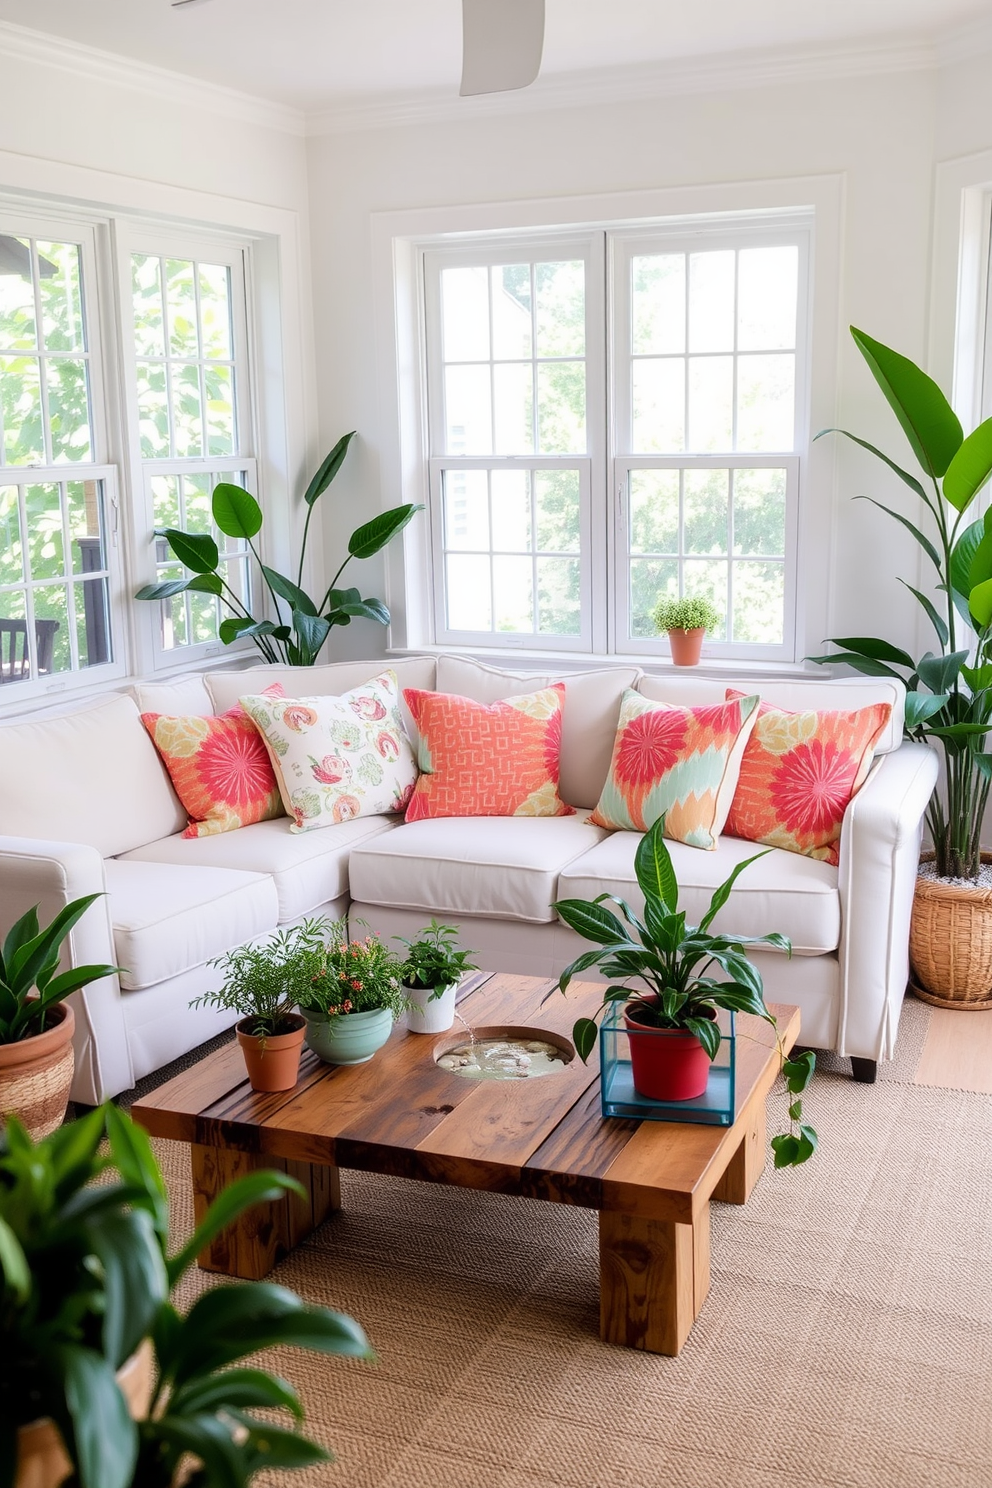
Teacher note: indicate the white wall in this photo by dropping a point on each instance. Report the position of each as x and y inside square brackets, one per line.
[880, 132]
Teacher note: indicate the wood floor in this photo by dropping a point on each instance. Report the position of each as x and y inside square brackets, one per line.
[957, 1054]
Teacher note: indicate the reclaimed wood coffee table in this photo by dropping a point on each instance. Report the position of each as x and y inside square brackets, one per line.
[401, 1114]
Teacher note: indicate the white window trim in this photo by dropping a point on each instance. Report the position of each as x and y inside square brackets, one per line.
[288, 443]
[395, 239]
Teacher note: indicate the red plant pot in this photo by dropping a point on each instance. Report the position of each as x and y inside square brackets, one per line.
[273, 1063]
[666, 1064]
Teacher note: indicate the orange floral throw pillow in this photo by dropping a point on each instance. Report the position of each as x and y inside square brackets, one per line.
[496, 759]
[676, 762]
[219, 767]
[799, 772]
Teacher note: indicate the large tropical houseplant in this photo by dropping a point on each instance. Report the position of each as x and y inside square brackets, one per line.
[302, 623]
[101, 1376]
[949, 688]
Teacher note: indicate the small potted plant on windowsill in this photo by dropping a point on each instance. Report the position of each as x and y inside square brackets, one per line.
[354, 998]
[671, 960]
[264, 983]
[431, 972]
[36, 1022]
[687, 620]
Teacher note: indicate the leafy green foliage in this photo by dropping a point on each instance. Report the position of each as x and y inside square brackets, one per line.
[433, 959]
[355, 976]
[686, 613]
[265, 982]
[29, 959]
[303, 623]
[86, 1275]
[948, 702]
[672, 961]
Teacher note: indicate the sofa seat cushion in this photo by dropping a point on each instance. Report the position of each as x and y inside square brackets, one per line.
[308, 869]
[797, 896]
[496, 867]
[169, 919]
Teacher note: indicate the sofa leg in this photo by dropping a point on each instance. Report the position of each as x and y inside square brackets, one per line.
[865, 1071]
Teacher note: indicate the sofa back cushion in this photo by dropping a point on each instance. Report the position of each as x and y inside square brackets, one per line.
[91, 776]
[185, 697]
[589, 722]
[798, 696]
[337, 677]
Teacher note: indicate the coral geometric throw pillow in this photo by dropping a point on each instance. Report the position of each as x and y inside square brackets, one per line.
[496, 759]
[337, 757]
[799, 772]
[219, 769]
[676, 762]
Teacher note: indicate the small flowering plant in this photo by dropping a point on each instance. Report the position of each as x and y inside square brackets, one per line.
[355, 976]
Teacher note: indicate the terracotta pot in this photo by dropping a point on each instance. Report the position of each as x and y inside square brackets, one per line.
[667, 1064]
[273, 1062]
[687, 645]
[42, 1461]
[36, 1075]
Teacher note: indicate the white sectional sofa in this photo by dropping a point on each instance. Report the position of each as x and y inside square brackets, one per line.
[86, 805]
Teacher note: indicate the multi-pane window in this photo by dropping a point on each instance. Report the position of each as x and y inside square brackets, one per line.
[592, 453]
[509, 379]
[54, 496]
[189, 392]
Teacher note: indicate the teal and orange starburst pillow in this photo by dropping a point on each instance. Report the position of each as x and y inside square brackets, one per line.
[677, 762]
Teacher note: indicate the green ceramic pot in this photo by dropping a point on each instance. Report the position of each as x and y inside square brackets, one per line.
[349, 1038]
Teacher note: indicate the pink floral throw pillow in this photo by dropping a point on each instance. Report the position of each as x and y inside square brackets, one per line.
[219, 768]
[799, 773]
[337, 757]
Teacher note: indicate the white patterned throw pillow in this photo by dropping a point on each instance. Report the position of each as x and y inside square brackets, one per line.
[337, 757]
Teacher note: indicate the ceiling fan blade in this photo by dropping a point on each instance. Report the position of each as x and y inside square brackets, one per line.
[502, 42]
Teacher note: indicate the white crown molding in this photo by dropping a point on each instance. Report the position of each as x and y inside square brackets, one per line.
[22, 44]
[714, 73]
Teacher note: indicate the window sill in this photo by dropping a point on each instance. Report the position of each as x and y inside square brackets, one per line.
[584, 661]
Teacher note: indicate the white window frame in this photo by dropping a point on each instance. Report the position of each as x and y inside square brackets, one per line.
[20, 220]
[605, 589]
[234, 252]
[509, 248]
[784, 229]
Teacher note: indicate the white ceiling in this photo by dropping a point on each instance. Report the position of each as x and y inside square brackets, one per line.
[314, 53]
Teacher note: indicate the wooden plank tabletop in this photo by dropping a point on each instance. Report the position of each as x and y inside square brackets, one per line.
[402, 1114]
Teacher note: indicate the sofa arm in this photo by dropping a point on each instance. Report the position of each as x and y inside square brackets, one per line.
[879, 857]
[49, 875]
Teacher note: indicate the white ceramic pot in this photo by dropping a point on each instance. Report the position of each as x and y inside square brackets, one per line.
[431, 1014]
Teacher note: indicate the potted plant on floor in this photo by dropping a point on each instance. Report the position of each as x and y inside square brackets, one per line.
[687, 620]
[433, 968]
[264, 983]
[679, 1001]
[354, 998]
[100, 1376]
[36, 1023]
[948, 700]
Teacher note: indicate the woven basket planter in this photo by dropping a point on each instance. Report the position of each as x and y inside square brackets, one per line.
[950, 943]
[36, 1075]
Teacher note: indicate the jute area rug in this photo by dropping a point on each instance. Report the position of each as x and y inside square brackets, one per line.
[847, 1339]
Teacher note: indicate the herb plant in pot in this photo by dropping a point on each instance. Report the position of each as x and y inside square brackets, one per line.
[433, 968]
[354, 997]
[949, 689]
[264, 983]
[671, 1015]
[687, 620]
[36, 1022]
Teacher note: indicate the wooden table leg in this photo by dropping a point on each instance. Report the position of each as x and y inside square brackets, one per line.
[653, 1279]
[747, 1163]
[264, 1234]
